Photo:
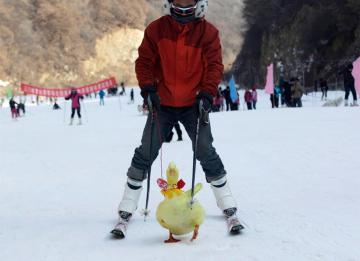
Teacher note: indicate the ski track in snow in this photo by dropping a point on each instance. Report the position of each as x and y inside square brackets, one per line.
[294, 172]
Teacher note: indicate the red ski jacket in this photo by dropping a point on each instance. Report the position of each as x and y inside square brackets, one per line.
[180, 60]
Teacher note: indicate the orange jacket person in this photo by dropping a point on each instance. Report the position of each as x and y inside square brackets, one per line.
[179, 65]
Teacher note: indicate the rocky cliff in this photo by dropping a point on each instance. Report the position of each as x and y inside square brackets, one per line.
[56, 43]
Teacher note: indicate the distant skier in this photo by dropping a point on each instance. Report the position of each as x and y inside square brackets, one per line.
[171, 134]
[324, 88]
[297, 92]
[123, 92]
[248, 99]
[181, 85]
[101, 96]
[218, 104]
[254, 97]
[287, 93]
[132, 99]
[349, 84]
[75, 104]
[20, 108]
[226, 94]
[13, 109]
[56, 106]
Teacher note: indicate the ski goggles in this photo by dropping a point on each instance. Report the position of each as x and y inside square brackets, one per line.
[185, 11]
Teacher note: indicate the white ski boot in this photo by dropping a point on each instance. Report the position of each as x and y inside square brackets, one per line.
[71, 121]
[355, 103]
[346, 103]
[226, 202]
[127, 207]
[79, 123]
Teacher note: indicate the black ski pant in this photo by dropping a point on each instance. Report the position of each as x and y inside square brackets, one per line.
[297, 102]
[73, 112]
[348, 89]
[162, 125]
[249, 105]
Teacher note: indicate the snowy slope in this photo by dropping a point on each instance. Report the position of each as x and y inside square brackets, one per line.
[295, 173]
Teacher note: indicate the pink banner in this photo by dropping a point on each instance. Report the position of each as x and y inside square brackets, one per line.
[269, 87]
[356, 74]
[52, 92]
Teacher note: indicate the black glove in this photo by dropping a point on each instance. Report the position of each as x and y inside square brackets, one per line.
[203, 104]
[149, 92]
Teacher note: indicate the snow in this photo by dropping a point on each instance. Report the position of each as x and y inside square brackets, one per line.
[294, 172]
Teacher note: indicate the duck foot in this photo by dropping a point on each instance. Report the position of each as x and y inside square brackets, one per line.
[196, 233]
[172, 239]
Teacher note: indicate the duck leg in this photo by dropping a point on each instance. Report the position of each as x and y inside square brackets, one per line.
[196, 232]
[171, 239]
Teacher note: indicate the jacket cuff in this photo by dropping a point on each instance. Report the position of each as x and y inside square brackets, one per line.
[146, 90]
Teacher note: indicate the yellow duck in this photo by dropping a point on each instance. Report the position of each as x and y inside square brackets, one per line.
[175, 213]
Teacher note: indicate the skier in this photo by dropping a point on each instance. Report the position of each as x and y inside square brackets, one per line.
[226, 94]
[248, 99]
[21, 107]
[56, 106]
[101, 96]
[178, 69]
[13, 109]
[349, 85]
[171, 134]
[123, 92]
[324, 88]
[75, 104]
[254, 97]
[132, 100]
[297, 92]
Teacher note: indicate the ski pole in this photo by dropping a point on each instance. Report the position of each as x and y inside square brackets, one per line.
[151, 111]
[195, 151]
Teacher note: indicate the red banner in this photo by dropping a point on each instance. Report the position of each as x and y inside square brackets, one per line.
[52, 92]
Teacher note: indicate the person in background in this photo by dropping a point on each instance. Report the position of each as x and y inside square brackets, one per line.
[226, 95]
[248, 99]
[132, 98]
[287, 94]
[278, 95]
[254, 97]
[297, 92]
[13, 109]
[75, 104]
[21, 107]
[171, 134]
[217, 102]
[123, 92]
[349, 85]
[234, 105]
[56, 106]
[101, 96]
[324, 88]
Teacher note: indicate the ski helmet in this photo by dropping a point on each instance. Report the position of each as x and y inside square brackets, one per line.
[200, 10]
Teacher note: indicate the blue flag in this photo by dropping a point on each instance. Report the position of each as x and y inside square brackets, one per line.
[233, 92]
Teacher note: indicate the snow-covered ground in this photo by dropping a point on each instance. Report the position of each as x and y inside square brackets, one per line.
[294, 172]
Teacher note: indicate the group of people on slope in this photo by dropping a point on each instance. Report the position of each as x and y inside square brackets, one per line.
[16, 108]
[290, 93]
[251, 98]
